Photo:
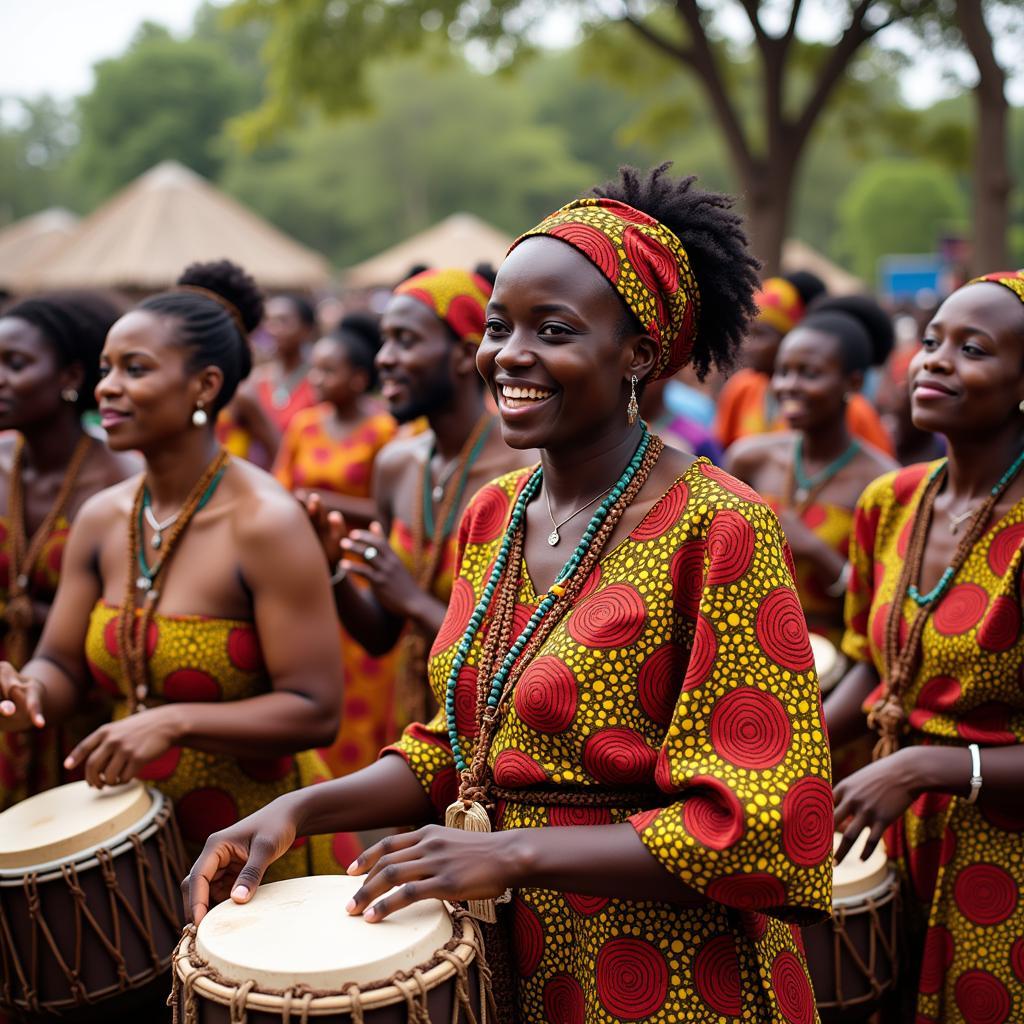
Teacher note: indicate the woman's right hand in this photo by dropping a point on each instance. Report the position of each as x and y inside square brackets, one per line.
[235, 859]
[21, 700]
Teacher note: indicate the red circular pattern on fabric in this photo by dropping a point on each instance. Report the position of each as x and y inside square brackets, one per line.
[712, 814]
[1003, 547]
[594, 244]
[645, 819]
[267, 769]
[591, 584]
[104, 681]
[988, 723]
[906, 481]
[618, 755]
[750, 728]
[465, 702]
[782, 630]
[445, 788]
[755, 925]
[162, 767]
[652, 261]
[514, 769]
[244, 649]
[110, 639]
[985, 894]
[716, 975]
[632, 978]
[865, 527]
[185, 685]
[658, 681]
[490, 508]
[613, 617]
[702, 654]
[1001, 627]
[682, 343]
[625, 212]
[730, 547]
[939, 694]
[1017, 959]
[545, 697]
[586, 906]
[792, 990]
[203, 812]
[960, 609]
[466, 317]
[936, 960]
[730, 483]
[982, 998]
[688, 578]
[748, 892]
[663, 516]
[903, 540]
[460, 608]
[575, 816]
[807, 822]
[563, 1000]
[528, 938]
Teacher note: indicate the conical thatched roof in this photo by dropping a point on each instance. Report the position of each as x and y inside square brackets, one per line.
[144, 236]
[797, 255]
[28, 243]
[461, 240]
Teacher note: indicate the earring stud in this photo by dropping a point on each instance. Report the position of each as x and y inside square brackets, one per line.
[69, 394]
[199, 417]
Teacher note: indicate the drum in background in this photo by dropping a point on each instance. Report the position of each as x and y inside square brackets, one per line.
[829, 662]
[854, 958]
[90, 902]
[294, 950]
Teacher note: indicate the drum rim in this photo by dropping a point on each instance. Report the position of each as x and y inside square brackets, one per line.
[889, 885]
[387, 994]
[85, 859]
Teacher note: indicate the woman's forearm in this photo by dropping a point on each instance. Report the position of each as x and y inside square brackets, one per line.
[61, 689]
[362, 615]
[942, 769]
[358, 512]
[844, 715]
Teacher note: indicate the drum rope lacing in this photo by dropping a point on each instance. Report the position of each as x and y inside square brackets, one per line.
[889, 946]
[410, 985]
[43, 940]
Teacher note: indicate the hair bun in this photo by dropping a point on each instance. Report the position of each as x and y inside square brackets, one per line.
[363, 325]
[232, 283]
[869, 314]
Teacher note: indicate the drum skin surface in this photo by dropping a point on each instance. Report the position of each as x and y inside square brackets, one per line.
[829, 663]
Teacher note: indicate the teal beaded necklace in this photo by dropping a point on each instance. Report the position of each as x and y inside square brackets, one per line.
[806, 484]
[500, 677]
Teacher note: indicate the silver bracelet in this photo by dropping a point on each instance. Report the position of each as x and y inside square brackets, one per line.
[838, 588]
[338, 575]
[975, 772]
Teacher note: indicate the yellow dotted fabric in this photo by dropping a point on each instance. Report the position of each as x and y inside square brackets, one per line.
[685, 667]
[963, 863]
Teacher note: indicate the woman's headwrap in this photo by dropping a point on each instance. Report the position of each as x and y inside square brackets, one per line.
[779, 304]
[643, 261]
[458, 297]
[1012, 279]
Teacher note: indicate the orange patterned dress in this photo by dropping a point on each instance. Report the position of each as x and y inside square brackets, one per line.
[311, 457]
[684, 670]
[193, 659]
[963, 863]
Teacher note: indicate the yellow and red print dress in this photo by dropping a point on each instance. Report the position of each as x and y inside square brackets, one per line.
[963, 862]
[684, 670]
[312, 458]
[194, 659]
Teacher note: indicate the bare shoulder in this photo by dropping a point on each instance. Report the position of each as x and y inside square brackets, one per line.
[398, 453]
[750, 453]
[876, 461]
[110, 504]
[262, 511]
[118, 466]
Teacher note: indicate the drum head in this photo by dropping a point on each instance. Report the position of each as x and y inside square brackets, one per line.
[853, 877]
[826, 661]
[62, 822]
[298, 932]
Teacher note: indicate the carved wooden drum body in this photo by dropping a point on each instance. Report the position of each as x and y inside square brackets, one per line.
[293, 954]
[90, 904]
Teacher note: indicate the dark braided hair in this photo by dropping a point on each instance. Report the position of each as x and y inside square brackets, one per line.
[75, 324]
[304, 309]
[714, 240]
[862, 328]
[359, 335]
[207, 326]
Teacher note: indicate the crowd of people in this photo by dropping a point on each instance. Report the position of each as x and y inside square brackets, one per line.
[527, 567]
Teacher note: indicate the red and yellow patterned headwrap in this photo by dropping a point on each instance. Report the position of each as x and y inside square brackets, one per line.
[458, 297]
[779, 304]
[643, 261]
[1012, 279]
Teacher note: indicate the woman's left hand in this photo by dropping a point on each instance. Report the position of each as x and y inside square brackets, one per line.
[377, 562]
[117, 751]
[874, 798]
[432, 863]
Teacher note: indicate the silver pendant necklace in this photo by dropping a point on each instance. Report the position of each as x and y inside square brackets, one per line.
[158, 527]
[554, 537]
[955, 521]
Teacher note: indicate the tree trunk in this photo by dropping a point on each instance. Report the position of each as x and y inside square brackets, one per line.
[993, 180]
[768, 200]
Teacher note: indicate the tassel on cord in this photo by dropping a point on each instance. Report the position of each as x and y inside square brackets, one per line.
[888, 717]
[471, 816]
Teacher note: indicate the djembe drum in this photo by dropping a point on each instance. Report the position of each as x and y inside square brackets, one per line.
[829, 662]
[90, 904]
[854, 958]
[293, 953]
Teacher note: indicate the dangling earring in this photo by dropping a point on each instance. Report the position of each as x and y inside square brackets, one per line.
[69, 395]
[633, 408]
[199, 417]
[1021, 406]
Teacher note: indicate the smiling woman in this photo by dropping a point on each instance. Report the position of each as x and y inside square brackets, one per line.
[637, 690]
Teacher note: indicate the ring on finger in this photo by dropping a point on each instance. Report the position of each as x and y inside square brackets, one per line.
[370, 553]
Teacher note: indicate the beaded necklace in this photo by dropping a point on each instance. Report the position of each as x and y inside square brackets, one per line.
[804, 485]
[888, 716]
[133, 628]
[23, 553]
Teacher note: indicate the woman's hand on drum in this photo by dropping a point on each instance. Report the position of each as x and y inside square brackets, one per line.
[874, 798]
[235, 859]
[21, 700]
[432, 863]
[116, 752]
